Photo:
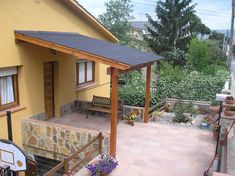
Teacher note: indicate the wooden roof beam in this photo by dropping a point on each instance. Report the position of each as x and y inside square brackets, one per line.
[130, 69]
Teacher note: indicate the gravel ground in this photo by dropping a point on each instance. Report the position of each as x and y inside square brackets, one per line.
[166, 119]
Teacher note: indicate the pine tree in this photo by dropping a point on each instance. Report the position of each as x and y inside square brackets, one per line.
[174, 27]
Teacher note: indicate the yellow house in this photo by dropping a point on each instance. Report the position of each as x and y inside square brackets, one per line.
[26, 70]
[54, 52]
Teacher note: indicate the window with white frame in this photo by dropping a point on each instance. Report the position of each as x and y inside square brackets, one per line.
[85, 72]
[8, 88]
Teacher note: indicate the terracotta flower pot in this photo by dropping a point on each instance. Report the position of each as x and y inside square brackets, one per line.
[214, 109]
[131, 122]
[229, 113]
[230, 101]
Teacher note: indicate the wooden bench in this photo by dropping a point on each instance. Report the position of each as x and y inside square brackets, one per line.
[103, 104]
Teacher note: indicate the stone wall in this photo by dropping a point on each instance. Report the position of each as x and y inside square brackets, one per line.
[40, 116]
[139, 110]
[68, 108]
[57, 141]
[203, 106]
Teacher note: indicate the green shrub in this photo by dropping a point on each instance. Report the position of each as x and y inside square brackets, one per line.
[198, 55]
[179, 109]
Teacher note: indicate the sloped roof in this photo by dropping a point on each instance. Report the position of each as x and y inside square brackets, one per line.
[113, 54]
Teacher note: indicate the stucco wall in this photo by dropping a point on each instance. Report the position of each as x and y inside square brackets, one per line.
[44, 15]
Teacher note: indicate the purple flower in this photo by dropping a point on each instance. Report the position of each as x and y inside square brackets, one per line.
[105, 165]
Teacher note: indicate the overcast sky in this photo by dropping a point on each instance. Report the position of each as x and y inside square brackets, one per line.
[215, 14]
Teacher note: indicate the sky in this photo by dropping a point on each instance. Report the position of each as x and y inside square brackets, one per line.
[216, 14]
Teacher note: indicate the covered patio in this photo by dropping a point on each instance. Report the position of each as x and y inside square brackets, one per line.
[121, 59]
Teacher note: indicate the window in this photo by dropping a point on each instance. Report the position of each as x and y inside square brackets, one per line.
[85, 72]
[8, 88]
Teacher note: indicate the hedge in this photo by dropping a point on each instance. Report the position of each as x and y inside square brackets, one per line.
[190, 86]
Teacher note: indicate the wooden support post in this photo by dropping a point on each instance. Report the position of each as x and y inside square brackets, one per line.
[147, 95]
[66, 165]
[100, 143]
[113, 128]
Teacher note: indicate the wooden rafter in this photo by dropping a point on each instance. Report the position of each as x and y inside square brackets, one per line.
[71, 51]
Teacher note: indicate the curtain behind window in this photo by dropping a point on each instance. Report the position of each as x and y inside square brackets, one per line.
[7, 90]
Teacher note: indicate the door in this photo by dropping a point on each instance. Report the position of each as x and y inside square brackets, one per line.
[48, 69]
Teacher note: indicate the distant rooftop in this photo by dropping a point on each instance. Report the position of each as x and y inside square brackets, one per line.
[139, 24]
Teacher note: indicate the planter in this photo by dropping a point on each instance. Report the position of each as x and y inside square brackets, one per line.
[229, 113]
[131, 122]
[104, 166]
[214, 109]
[230, 101]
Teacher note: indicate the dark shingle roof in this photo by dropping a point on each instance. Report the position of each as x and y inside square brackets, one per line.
[110, 51]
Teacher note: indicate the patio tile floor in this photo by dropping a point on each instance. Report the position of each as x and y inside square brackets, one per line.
[152, 149]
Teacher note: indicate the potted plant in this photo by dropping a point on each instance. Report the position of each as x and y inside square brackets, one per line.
[168, 107]
[215, 131]
[156, 115]
[205, 124]
[131, 117]
[230, 100]
[104, 166]
[229, 111]
[214, 107]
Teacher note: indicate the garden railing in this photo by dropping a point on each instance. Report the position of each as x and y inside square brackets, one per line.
[66, 162]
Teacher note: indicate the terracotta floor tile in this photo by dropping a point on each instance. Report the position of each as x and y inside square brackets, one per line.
[152, 149]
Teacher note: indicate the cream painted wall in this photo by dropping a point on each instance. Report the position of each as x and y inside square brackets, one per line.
[44, 15]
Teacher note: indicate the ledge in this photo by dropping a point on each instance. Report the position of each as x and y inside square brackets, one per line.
[13, 110]
[86, 86]
[89, 86]
[227, 117]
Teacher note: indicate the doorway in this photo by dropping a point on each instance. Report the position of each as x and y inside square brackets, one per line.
[48, 71]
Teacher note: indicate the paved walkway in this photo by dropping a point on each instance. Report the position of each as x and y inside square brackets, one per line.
[161, 150]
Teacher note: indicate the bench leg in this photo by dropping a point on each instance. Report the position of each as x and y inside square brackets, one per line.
[87, 114]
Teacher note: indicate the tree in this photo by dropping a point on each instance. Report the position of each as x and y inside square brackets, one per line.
[175, 57]
[174, 27]
[117, 17]
[198, 55]
[197, 27]
[217, 36]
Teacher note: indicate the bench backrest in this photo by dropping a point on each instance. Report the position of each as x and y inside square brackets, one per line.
[104, 102]
[101, 101]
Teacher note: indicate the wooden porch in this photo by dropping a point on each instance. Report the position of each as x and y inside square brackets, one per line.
[120, 59]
